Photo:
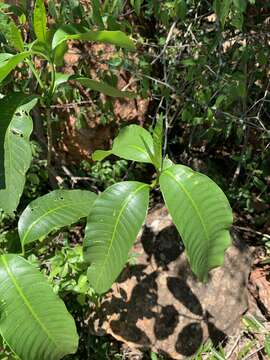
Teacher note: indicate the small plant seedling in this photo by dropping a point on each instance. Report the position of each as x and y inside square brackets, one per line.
[199, 208]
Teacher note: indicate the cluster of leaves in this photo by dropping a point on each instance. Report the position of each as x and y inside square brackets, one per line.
[204, 90]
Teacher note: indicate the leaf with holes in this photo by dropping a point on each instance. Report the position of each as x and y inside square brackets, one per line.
[202, 215]
[34, 321]
[17, 151]
[112, 227]
[129, 145]
[52, 211]
[8, 106]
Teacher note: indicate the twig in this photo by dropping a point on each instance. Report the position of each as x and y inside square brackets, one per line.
[253, 353]
[72, 104]
[242, 228]
[166, 43]
[230, 353]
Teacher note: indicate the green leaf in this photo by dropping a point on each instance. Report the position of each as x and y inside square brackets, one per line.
[158, 140]
[4, 57]
[241, 5]
[52, 211]
[252, 323]
[181, 9]
[117, 38]
[104, 88]
[11, 32]
[96, 14]
[129, 145]
[59, 53]
[8, 106]
[222, 9]
[202, 215]
[52, 9]
[267, 345]
[17, 148]
[39, 20]
[113, 225]
[137, 6]
[34, 321]
[60, 78]
[10, 63]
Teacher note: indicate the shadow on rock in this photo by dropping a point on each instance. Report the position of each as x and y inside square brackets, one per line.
[159, 304]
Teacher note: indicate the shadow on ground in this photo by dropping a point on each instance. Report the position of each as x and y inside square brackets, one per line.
[158, 303]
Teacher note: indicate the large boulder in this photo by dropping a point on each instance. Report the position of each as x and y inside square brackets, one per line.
[159, 304]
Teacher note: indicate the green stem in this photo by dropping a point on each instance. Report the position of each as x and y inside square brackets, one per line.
[23, 251]
[154, 183]
[52, 87]
[35, 73]
[49, 137]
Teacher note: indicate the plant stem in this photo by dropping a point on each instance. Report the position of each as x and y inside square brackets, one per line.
[154, 183]
[49, 137]
[35, 73]
[51, 90]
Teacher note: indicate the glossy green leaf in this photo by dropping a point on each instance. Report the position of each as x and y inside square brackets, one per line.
[117, 38]
[8, 106]
[4, 57]
[52, 211]
[11, 32]
[129, 145]
[39, 20]
[104, 88]
[17, 150]
[112, 227]
[10, 63]
[34, 321]
[202, 215]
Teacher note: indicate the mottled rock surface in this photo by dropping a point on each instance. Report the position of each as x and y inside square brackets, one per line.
[159, 304]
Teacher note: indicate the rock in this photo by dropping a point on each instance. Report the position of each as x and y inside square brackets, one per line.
[259, 287]
[158, 304]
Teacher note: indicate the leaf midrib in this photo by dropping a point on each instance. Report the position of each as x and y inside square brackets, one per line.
[194, 207]
[115, 228]
[26, 302]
